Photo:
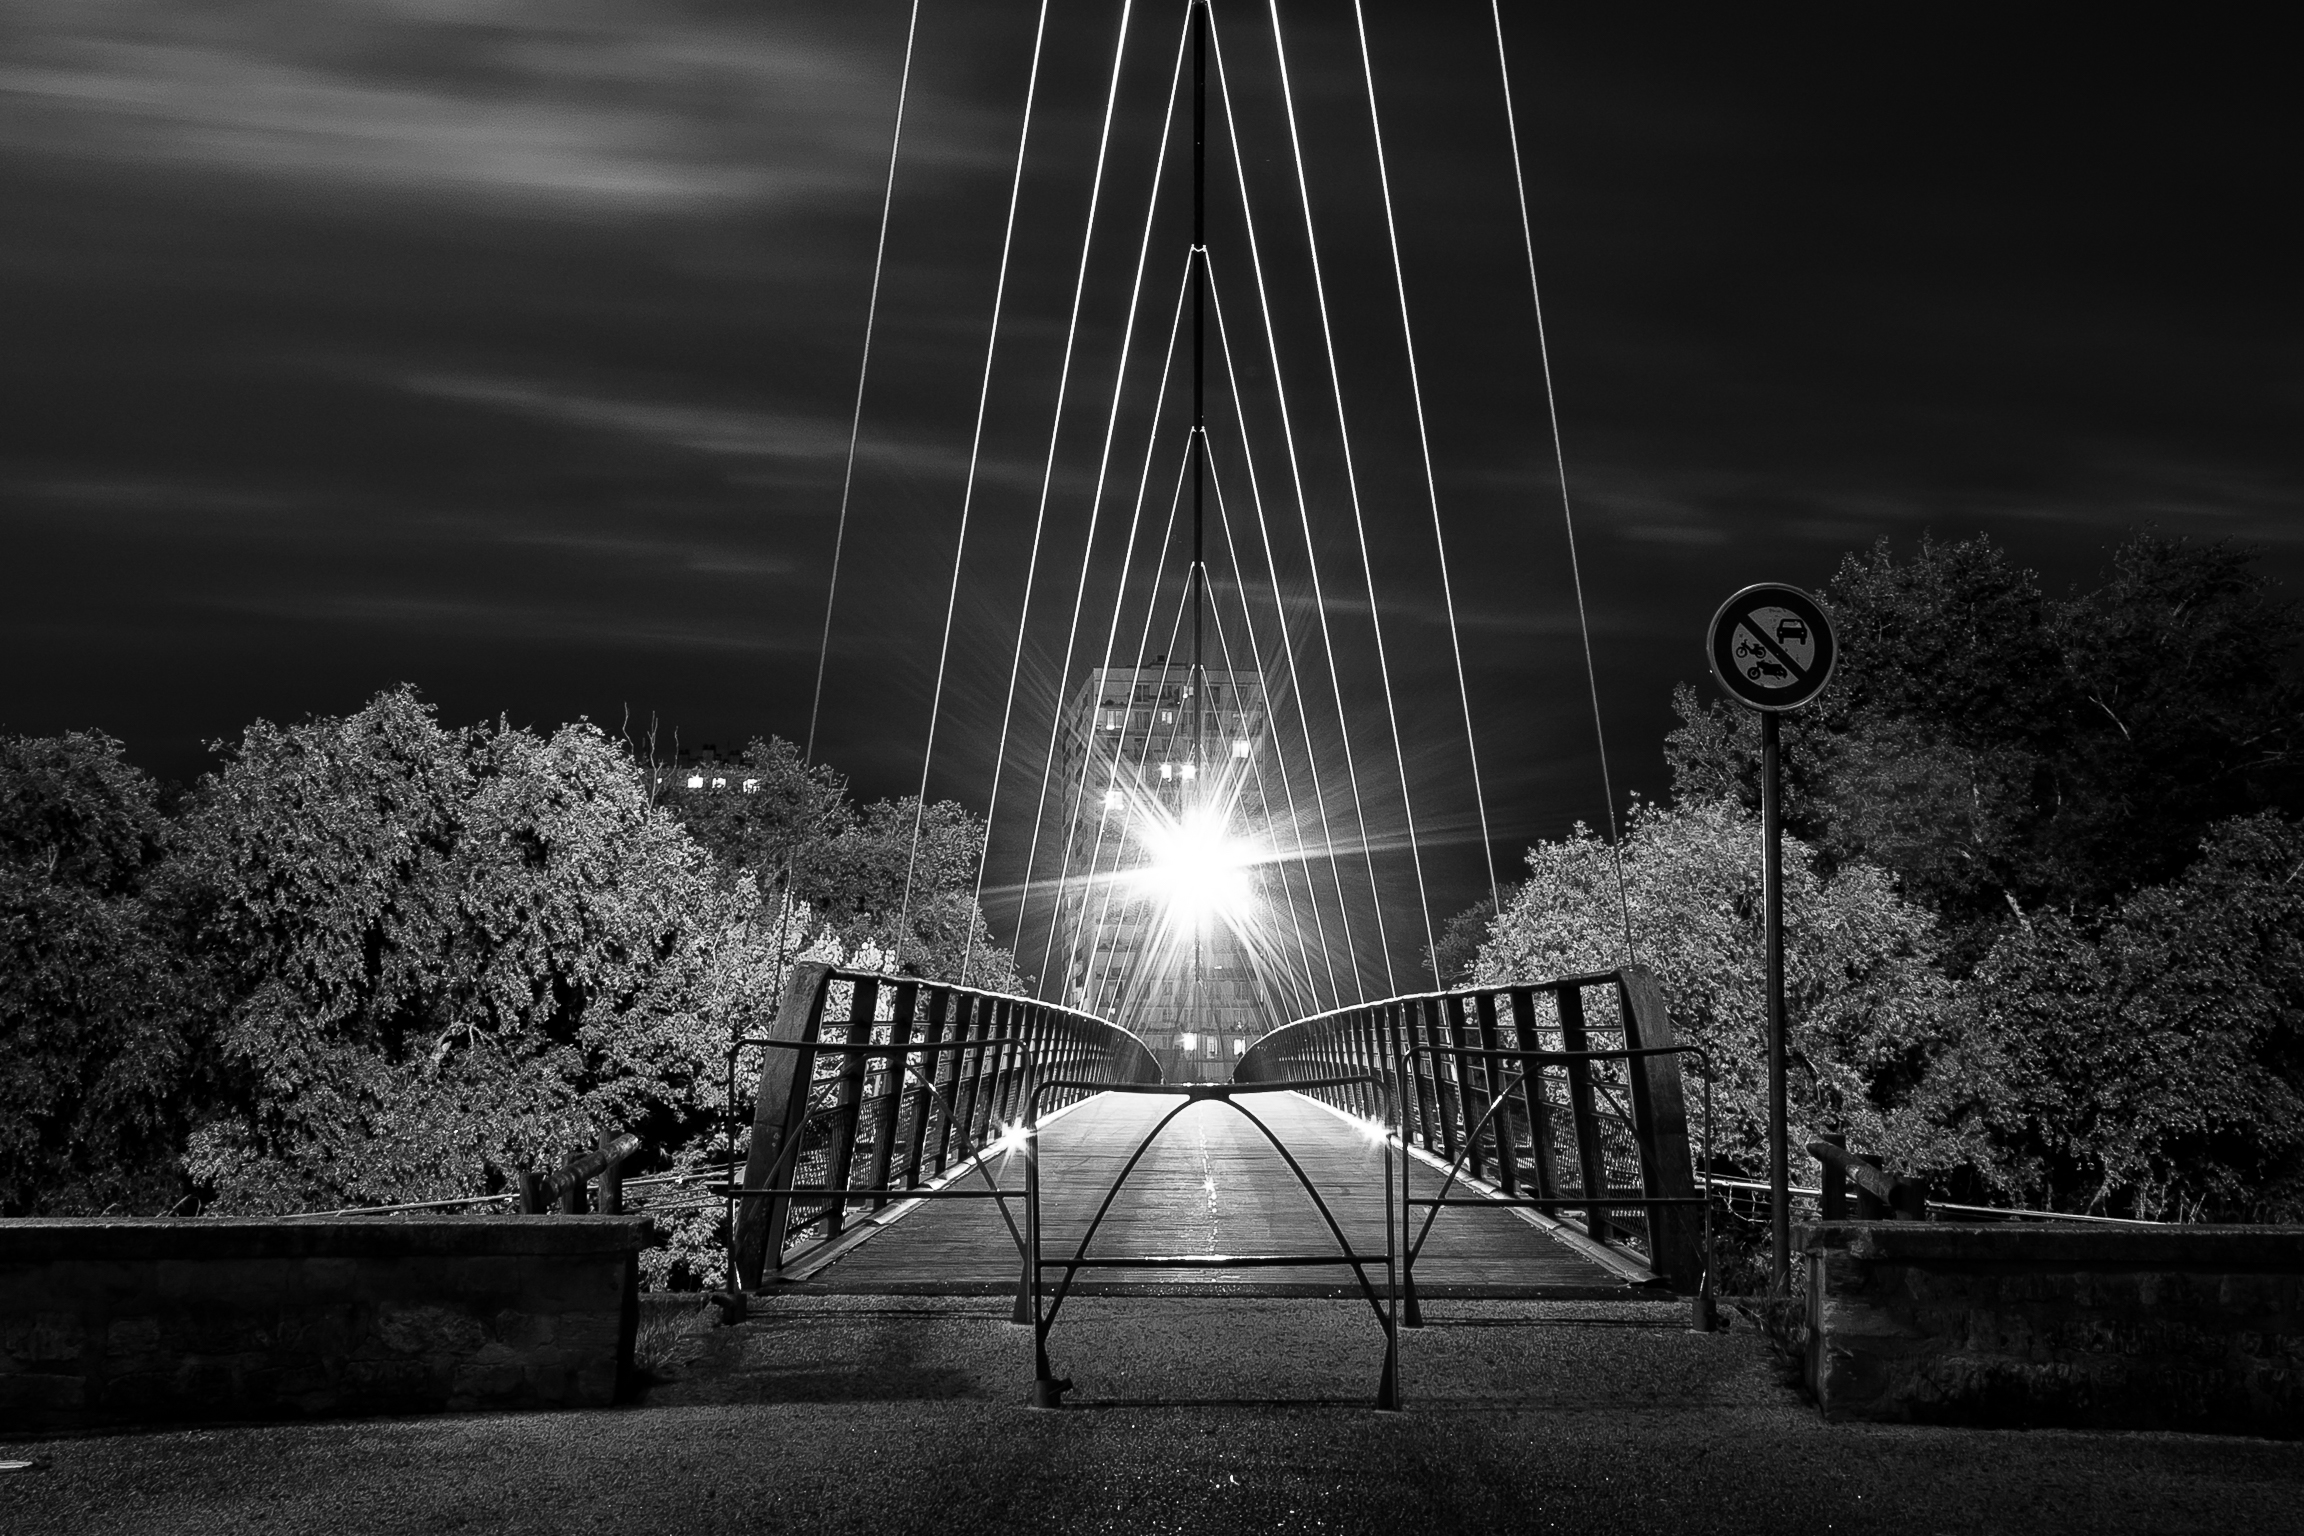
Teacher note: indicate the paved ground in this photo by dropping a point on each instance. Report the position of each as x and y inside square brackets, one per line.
[1211, 1184]
[892, 1415]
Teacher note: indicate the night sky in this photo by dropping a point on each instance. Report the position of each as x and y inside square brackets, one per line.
[508, 349]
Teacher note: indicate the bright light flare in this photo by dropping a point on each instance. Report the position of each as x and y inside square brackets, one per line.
[1012, 1138]
[1199, 870]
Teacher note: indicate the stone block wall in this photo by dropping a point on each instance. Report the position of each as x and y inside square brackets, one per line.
[2195, 1328]
[107, 1322]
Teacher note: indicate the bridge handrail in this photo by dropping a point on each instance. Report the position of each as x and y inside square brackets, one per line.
[871, 1105]
[1611, 1123]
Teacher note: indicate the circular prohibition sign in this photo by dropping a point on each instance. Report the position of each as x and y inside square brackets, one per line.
[1772, 647]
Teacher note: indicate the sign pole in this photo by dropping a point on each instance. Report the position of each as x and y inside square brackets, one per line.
[1772, 649]
[1772, 901]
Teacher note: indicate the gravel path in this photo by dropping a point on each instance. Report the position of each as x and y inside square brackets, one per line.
[891, 1415]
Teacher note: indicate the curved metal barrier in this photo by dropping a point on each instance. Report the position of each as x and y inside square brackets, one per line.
[872, 1086]
[1562, 1095]
[1048, 1389]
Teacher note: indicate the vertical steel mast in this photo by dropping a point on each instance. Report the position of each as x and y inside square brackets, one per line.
[1195, 798]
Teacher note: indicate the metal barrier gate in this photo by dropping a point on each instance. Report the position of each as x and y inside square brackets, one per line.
[1048, 1389]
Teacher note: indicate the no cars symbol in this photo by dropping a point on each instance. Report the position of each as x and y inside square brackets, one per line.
[1772, 647]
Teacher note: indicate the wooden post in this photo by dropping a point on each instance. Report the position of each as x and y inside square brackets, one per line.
[611, 1176]
[779, 1109]
[1660, 1126]
[1833, 1192]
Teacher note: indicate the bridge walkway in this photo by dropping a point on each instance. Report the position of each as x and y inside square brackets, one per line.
[1210, 1184]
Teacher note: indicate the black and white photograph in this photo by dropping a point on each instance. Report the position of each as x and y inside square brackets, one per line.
[1149, 766]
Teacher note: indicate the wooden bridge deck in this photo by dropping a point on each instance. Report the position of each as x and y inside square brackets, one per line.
[1210, 1185]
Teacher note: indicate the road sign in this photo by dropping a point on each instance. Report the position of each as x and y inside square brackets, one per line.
[1772, 647]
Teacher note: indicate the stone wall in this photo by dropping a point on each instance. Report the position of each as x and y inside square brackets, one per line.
[143, 1321]
[2197, 1328]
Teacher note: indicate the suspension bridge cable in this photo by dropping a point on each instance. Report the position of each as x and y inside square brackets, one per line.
[1431, 481]
[1287, 638]
[1352, 482]
[1303, 506]
[1560, 464]
[1112, 633]
[1112, 780]
[1096, 497]
[1145, 958]
[863, 370]
[1255, 764]
[1256, 654]
[1055, 435]
[968, 495]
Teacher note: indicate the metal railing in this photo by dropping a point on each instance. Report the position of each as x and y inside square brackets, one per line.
[563, 1188]
[1563, 1094]
[873, 1087]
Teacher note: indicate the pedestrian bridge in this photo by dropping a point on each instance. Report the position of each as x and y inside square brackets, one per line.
[911, 1137]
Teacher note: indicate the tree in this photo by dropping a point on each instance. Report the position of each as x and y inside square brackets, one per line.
[1871, 1025]
[98, 1029]
[442, 951]
[2151, 1062]
[2001, 752]
[1457, 953]
[789, 831]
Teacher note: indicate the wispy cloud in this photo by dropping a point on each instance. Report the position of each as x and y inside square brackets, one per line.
[558, 107]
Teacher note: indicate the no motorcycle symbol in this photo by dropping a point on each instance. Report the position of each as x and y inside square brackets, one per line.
[1772, 647]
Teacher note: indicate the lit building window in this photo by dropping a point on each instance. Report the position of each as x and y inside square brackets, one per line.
[1111, 799]
[1215, 1048]
[719, 783]
[1239, 1045]
[695, 781]
[1188, 1042]
[751, 786]
[1167, 770]
[1167, 717]
[1239, 748]
[1191, 770]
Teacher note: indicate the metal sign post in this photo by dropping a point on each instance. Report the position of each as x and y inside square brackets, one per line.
[1772, 648]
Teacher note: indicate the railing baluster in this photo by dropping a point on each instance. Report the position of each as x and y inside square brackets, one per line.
[890, 1100]
[848, 1102]
[993, 1059]
[1534, 1100]
[924, 1102]
[1500, 1116]
[1591, 1159]
[1471, 1099]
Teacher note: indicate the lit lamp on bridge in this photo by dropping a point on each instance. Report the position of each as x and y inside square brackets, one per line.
[1198, 870]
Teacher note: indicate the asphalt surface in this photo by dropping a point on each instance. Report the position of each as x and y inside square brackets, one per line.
[888, 1415]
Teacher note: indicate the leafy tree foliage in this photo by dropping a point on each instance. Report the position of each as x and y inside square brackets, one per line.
[790, 830]
[1457, 954]
[1874, 1031]
[2001, 752]
[442, 950]
[2151, 1063]
[98, 1030]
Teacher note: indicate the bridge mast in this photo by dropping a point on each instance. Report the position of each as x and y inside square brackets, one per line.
[1196, 797]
